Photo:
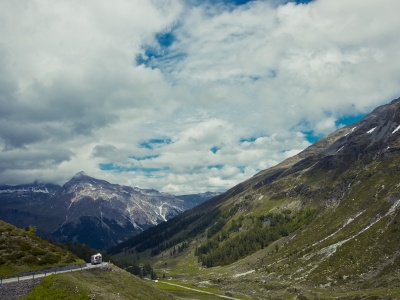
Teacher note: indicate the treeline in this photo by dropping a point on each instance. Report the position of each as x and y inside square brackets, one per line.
[153, 236]
[142, 271]
[221, 250]
[195, 229]
[84, 251]
[176, 231]
[161, 237]
[174, 245]
[199, 225]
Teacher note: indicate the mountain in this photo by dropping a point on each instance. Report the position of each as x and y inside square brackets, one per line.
[87, 210]
[324, 223]
[20, 204]
[196, 199]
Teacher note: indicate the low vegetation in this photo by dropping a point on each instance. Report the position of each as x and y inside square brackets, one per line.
[187, 291]
[22, 251]
[113, 283]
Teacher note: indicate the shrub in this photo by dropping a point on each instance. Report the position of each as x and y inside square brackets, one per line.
[30, 259]
[15, 255]
[25, 246]
[69, 258]
[50, 259]
[37, 251]
[31, 230]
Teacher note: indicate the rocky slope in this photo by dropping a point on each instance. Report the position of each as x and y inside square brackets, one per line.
[87, 210]
[324, 223]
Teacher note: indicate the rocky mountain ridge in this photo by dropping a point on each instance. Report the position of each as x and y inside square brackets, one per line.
[87, 210]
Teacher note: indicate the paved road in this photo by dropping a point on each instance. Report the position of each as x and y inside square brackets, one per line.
[199, 291]
[22, 278]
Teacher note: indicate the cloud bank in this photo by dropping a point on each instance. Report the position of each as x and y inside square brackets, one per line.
[184, 96]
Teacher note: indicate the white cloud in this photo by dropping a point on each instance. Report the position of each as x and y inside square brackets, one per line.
[234, 93]
[325, 126]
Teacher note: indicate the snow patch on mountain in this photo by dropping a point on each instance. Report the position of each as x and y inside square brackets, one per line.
[397, 129]
[25, 190]
[371, 130]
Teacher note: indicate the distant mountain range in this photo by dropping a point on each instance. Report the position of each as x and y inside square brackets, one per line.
[322, 224]
[196, 199]
[89, 210]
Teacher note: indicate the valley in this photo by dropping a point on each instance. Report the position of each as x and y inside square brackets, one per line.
[322, 224]
[200, 150]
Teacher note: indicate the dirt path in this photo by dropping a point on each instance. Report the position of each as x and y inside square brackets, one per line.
[199, 291]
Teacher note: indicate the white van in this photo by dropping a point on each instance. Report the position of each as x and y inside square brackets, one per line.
[96, 259]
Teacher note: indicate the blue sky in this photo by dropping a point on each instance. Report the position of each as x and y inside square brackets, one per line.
[185, 96]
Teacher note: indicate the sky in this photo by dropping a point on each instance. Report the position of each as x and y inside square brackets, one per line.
[184, 96]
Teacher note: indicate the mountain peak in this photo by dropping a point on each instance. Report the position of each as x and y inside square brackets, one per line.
[80, 175]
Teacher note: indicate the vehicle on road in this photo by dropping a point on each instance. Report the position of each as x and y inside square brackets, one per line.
[96, 259]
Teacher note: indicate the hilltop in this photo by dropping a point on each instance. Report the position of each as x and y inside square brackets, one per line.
[22, 251]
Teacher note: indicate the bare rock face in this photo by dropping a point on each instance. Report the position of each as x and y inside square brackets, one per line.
[88, 210]
[103, 214]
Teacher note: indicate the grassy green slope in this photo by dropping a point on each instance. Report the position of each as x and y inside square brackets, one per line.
[324, 223]
[22, 251]
[348, 249]
[351, 245]
[96, 284]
